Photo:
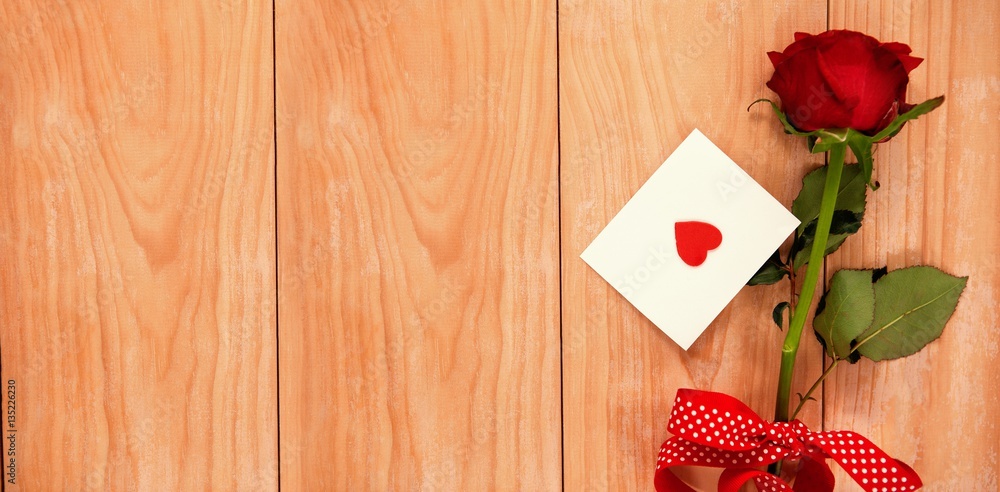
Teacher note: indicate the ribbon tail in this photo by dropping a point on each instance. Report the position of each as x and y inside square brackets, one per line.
[814, 476]
[666, 481]
[865, 463]
[733, 479]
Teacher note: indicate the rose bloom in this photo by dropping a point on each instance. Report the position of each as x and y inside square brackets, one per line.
[842, 79]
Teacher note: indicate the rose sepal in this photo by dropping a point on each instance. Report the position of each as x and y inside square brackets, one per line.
[916, 111]
[861, 145]
[818, 141]
[789, 128]
[822, 140]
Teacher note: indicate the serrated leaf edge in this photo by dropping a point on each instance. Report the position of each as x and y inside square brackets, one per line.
[963, 285]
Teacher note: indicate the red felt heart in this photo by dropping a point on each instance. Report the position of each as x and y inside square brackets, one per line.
[695, 239]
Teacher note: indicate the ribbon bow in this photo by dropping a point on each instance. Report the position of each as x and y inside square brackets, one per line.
[717, 430]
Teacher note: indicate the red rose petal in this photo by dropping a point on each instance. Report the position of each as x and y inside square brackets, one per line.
[897, 48]
[844, 88]
[910, 62]
[805, 96]
[776, 57]
[858, 67]
[841, 79]
[902, 51]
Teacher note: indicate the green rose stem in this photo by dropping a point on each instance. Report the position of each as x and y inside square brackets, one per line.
[829, 369]
[791, 346]
[815, 386]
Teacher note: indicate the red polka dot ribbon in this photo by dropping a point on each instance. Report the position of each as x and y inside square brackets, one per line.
[717, 430]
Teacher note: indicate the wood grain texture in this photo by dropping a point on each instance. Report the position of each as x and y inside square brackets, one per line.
[636, 78]
[418, 245]
[426, 339]
[137, 244]
[938, 410]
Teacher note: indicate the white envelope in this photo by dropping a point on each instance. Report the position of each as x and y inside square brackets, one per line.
[658, 250]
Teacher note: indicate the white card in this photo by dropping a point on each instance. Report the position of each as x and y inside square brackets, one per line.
[690, 239]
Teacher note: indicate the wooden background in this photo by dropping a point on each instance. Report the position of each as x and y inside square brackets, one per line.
[333, 245]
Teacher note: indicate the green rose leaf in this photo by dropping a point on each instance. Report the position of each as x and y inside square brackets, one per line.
[845, 311]
[843, 225]
[914, 113]
[849, 211]
[850, 195]
[912, 306]
[770, 272]
[778, 314]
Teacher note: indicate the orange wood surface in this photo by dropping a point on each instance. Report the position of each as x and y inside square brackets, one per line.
[636, 79]
[938, 410]
[137, 244]
[418, 245]
[438, 169]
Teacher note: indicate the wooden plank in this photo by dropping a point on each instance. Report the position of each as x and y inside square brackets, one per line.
[418, 245]
[635, 79]
[138, 244]
[937, 410]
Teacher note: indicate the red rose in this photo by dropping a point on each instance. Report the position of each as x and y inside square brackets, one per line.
[842, 79]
